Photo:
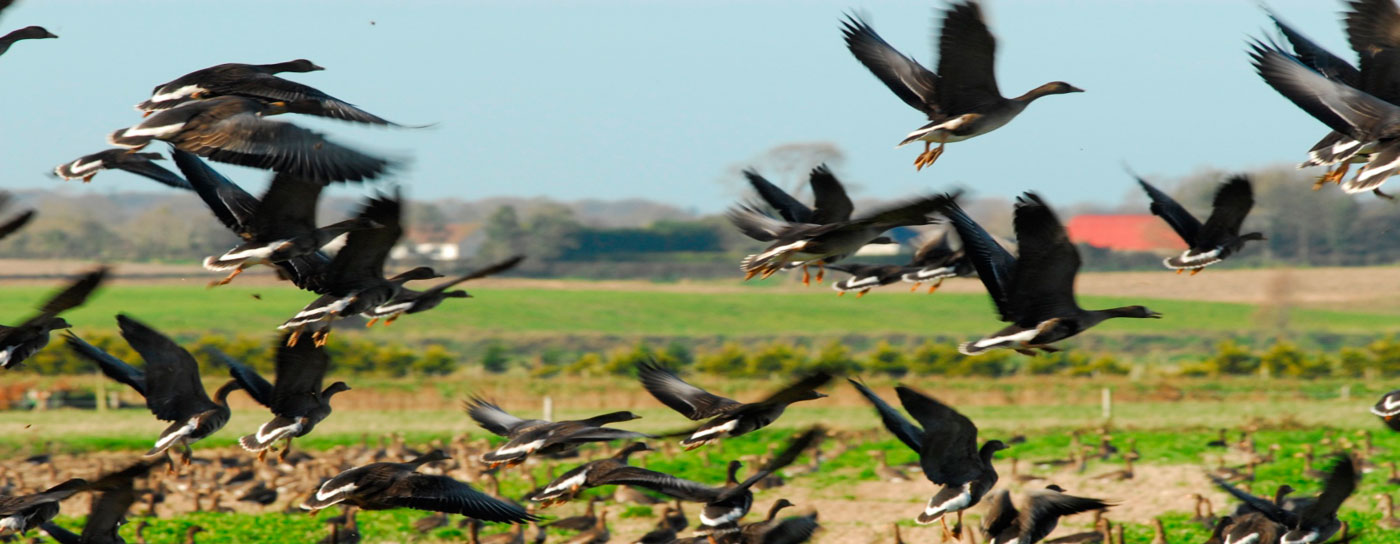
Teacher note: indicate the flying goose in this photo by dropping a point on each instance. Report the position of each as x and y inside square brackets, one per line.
[961, 100]
[19, 342]
[727, 417]
[1035, 292]
[1219, 237]
[410, 301]
[170, 383]
[26, 33]
[1005, 524]
[530, 436]
[259, 82]
[383, 486]
[236, 130]
[947, 448]
[87, 166]
[297, 400]
[20, 513]
[116, 493]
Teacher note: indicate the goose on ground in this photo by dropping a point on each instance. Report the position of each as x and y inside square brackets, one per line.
[754, 532]
[259, 82]
[21, 513]
[237, 130]
[297, 400]
[1037, 518]
[526, 437]
[961, 100]
[947, 448]
[411, 301]
[1035, 291]
[727, 417]
[26, 33]
[383, 486]
[1219, 237]
[87, 166]
[170, 383]
[19, 342]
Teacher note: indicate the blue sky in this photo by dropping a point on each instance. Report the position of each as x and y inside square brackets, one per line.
[661, 100]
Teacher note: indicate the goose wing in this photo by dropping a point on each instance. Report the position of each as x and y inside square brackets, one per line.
[791, 209]
[444, 494]
[1171, 211]
[904, 76]
[488, 270]
[1340, 484]
[498, 421]
[113, 367]
[116, 493]
[1342, 108]
[1047, 506]
[907, 432]
[300, 370]
[948, 449]
[12, 226]
[302, 98]
[794, 448]
[660, 482]
[1372, 25]
[1043, 286]
[230, 203]
[758, 225]
[247, 139]
[1232, 203]
[966, 61]
[692, 402]
[1315, 56]
[288, 208]
[257, 386]
[362, 258]
[1264, 506]
[75, 294]
[995, 266]
[831, 202]
[173, 388]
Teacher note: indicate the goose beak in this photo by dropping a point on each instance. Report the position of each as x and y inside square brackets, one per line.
[1074, 89]
[48, 34]
[1154, 315]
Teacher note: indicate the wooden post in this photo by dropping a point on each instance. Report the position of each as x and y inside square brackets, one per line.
[548, 408]
[100, 398]
[1106, 401]
[1346, 392]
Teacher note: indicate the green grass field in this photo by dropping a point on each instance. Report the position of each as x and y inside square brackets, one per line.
[581, 311]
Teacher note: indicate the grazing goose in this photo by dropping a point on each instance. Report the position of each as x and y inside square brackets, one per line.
[26, 33]
[383, 486]
[753, 532]
[276, 228]
[807, 243]
[530, 436]
[961, 100]
[21, 513]
[584, 521]
[236, 130]
[237, 210]
[19, 342]
[947, 448]
[1363, 117]
[87, 166]
[409, 301]
[1005, 524]
[1033, 292]
[589, 475]
[1219, 237]
[1388, 409]
[258, 82]
[353, 282]
[727, 417]
[298, 401]
[597, 534]
[170, 384]
[116, 493]
[1387, 508]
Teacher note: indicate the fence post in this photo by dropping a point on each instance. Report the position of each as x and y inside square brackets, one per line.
[1106, 402]
[548, 408]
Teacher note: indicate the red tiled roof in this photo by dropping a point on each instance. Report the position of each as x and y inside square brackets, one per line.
[1124, 232]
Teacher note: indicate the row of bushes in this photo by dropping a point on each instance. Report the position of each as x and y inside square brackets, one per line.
[1379, 357]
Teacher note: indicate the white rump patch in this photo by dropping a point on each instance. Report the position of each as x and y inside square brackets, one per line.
[703, 434]
[566, 484]
[392, 308]
[78, 167]
[1252, 538]
[12, 524]
[266, 435]
[182, 92]
[1389, 405]
[856, 283]
[165, 441]
[153, 132]
[1016, 338]
[961, 501]
[526, 448]
[323, 494]
[929, 274]
[728, 517]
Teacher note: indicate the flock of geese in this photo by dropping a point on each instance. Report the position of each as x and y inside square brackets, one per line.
[223, 114]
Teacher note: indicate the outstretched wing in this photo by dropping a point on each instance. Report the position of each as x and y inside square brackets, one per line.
[692, 402]
[903, 429]
[904, 76]
[1232, 203]
[1171, 211]
[1043, 287]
